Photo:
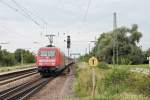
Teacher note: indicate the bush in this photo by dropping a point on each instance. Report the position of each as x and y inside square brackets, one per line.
[83, 86]
[103, 65]
[117, 76]
[125, 60]
[113, 84]
[140, 84]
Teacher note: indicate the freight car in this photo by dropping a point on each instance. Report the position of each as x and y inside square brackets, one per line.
[50, 61]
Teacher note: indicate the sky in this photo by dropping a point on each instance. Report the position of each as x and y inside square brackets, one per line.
[23, 22]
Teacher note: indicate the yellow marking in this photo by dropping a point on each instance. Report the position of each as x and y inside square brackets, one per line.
[93, 62]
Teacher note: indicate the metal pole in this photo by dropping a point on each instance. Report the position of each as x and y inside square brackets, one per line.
[93, 81]
[68, 61]
[85, 50]
[149, 65]
[21, 57]
[115, 46]
[89, 48]
[68, 55]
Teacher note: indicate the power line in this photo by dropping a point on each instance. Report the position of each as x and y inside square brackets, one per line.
[30, 14]
[85, 16]
[24, 10]
[24, 14]
[6, 29]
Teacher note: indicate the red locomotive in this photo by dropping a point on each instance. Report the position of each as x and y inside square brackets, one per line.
[50, 60]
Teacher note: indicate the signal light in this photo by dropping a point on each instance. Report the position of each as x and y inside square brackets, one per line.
[68, 42]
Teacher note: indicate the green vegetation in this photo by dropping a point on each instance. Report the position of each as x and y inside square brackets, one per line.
[10, 59]
[19, 66]
[112, 84]
[128, 50]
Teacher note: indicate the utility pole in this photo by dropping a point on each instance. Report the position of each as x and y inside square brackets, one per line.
[50, 37]
[3, 43]
[94, 43]
[22, 57]
[89, 48]
[85, 50]
[115, 40]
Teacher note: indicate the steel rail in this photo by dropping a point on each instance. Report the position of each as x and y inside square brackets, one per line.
[25, 90]
[17, 78]
[10, 75]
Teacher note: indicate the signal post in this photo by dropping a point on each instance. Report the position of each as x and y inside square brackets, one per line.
[93, 62]
[148, 58]
[68, 47]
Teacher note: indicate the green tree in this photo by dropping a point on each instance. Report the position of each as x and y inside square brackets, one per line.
[28, 57]
[127, 39]
[7, 58]
[148, 52]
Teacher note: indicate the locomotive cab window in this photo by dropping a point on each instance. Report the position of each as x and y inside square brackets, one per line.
[51, 53]
[47, 53]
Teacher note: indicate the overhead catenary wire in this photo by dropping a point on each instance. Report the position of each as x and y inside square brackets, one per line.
[30, 14]
[87, 10]
[27, 14]
[7, 29]
[21, 12]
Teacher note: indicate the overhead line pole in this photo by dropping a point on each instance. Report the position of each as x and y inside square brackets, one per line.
[115, 40]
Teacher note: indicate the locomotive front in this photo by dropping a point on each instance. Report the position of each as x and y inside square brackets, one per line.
[49, 60]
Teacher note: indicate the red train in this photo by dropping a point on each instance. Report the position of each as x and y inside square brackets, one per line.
[50, 60]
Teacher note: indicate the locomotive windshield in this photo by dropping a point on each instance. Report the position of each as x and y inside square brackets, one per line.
[47, 53]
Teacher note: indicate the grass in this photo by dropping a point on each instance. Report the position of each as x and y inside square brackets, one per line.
[132, 66]
[112, 83]
[10, 68]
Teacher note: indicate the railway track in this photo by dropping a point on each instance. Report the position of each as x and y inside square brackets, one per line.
[13, 76]
[23, 91]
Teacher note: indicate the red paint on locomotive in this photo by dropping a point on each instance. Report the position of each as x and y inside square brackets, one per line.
[49, 59]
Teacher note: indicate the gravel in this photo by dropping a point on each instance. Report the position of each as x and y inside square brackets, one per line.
[20, 81]
[59, 88]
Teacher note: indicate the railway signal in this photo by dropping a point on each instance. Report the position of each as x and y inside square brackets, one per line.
[68, 47]
[93, 62]
[68, 42]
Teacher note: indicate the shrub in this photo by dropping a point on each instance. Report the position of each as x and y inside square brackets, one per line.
[117, 76]
[103, 65]
[125, 60]
[140, 84]
[113, 84]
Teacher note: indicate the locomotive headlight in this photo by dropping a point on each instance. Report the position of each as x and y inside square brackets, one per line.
[41, 64]
[53, 63]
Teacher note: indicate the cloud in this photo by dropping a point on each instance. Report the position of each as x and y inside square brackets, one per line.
[67, 16]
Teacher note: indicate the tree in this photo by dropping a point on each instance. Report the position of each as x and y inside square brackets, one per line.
[7, 58]
[127, 39]
[28, 57]
[148, 52]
